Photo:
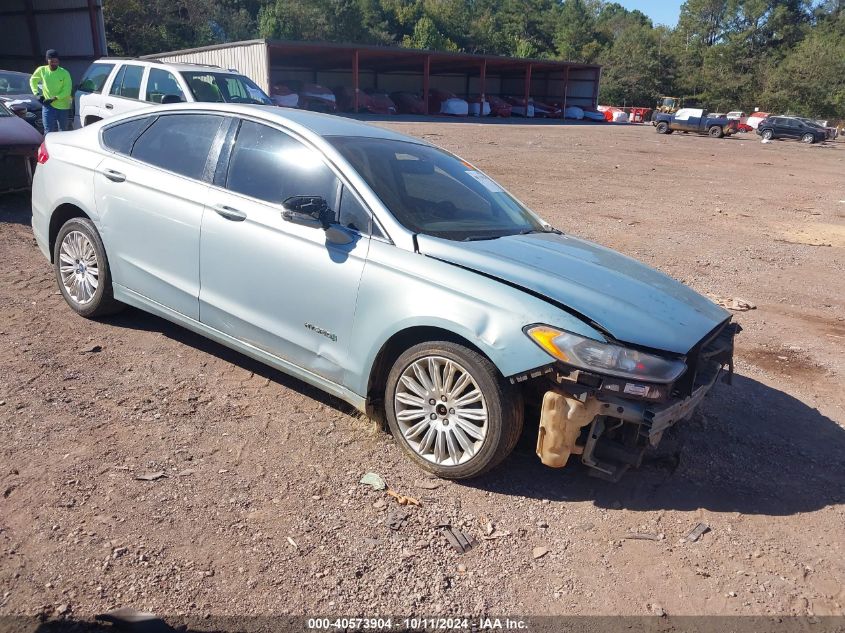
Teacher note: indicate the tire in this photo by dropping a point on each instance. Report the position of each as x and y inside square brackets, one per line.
[808, 138]
[663, 127]
[767, 135]
[716, 131]
[494, 419]
[79, 262]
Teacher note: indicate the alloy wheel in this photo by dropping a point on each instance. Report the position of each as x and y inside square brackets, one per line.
[441, 411]
[79, 267]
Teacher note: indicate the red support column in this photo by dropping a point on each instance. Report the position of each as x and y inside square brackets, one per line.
[426, 73]
[527, 87]
[95, 30]
[483, 84]
[355, 80]
[565, 90]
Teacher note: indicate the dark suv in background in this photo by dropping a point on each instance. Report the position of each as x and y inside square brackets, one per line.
[791, 127]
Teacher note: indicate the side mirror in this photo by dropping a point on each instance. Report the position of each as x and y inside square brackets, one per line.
[311, 211]
[314, 212]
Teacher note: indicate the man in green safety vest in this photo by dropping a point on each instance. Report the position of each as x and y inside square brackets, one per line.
[52, 85]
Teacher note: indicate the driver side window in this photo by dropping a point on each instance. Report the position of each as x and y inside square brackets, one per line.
[272, 166]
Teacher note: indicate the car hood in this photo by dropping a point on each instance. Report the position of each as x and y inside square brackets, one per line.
[630, 301]
[15, 132]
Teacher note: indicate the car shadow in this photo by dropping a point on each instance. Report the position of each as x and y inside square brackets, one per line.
[750, 448]
[134, 319]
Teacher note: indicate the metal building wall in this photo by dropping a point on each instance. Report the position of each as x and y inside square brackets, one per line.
[248, 58]
[28, 28]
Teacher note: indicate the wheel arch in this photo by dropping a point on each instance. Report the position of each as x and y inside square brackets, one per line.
[60, 215]
[393, 347]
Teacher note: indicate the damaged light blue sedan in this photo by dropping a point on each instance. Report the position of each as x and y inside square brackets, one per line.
[383, 270]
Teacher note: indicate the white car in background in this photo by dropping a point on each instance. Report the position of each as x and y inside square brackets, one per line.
[113, 86]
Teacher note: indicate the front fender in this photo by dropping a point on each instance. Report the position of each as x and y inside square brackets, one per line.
[401, 290]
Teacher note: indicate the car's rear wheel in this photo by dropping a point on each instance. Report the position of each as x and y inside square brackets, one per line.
[716, 131]
[808, 138]
[662, 127]
[451, 410]
[82, 269]
[767, 135]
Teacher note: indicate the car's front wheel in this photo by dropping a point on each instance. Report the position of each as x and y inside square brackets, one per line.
[767, 135]
[662, 127]
[808, 138]
[716, 131]
[451, 410]
[82, 270]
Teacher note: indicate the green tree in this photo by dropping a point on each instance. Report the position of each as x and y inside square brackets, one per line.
[575, 37]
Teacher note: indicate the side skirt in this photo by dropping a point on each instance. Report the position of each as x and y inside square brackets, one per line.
[141, 302]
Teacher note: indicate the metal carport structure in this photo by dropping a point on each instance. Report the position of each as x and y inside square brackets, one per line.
[29, 27]
[394, 68]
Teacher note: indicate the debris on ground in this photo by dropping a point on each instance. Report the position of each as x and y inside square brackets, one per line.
[496, 534]
[403, 500]
[539, 552]
[397, 518]
[373, 480]
[292, 542]
[96, 349]
[734, 304]
[460, 541]
[695, 533]
[151, 476]
[427, 484]
[656, 609]
[644, 536]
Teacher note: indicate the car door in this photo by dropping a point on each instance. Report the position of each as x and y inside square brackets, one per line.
[790, 128]
[151, 191]
[162, 87]
[88, 94]
[124, 94]
[275, 285]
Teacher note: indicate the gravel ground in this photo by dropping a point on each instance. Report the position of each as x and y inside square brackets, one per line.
[260, 511]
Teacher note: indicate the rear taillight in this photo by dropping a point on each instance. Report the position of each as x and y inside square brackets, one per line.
[43, 154]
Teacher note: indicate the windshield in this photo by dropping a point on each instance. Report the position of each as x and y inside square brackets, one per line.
[433, 192]
[224, 87]
[668, 102]
[14, 83]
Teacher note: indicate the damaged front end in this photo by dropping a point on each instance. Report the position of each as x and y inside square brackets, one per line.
[611, 420]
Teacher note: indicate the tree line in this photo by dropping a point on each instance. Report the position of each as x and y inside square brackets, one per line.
[775, 55]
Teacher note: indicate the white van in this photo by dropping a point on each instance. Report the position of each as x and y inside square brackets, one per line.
[115, 85]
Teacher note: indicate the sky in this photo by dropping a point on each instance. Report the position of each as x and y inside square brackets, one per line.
[660, 11]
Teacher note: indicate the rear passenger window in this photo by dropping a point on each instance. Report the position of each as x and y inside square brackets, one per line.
[95, 77]
[160, 84]
[119, 138]
[128, 82]
[270, 165]
[180, 143]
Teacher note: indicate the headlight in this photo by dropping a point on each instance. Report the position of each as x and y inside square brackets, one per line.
[605, 358]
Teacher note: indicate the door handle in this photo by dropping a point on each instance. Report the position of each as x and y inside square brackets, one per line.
[229, 213]
[109, 106]
[114, 176]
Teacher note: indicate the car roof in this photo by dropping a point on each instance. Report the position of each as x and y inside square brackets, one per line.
[179, 66]
[315, 122]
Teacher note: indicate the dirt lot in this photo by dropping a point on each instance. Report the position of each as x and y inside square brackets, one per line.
[261, 510]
